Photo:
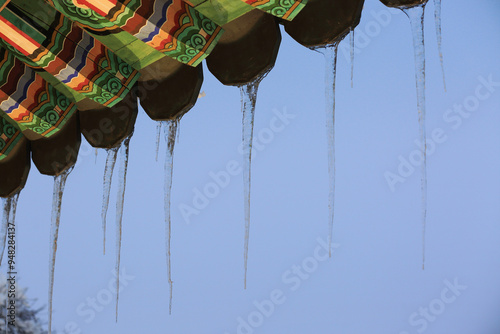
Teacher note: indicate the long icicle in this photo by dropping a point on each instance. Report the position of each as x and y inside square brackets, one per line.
[437, 17]
[248, 102]
[6, 205]
[416, 16]
[158, 135]
[59, 183]
[107, 179]
[9, 217]
[330, 52]
[170, 137]
[351, 41]
[120, 199]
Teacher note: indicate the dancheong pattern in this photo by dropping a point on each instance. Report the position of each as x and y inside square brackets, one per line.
[69, 54]
[55, 53]
[29, 100]
[171, 27]
[286, 9]
[225, 11]
[9, 137]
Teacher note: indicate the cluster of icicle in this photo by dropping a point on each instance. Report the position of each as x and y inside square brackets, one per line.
[416, 17]
[59, 185]
[112, 155]
[248, 102]
[248, 105]
[330, 52]
[9, 206]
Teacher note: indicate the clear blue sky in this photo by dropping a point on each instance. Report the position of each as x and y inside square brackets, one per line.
[374, 282]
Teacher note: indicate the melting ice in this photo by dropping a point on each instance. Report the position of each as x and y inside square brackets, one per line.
[158, 136]
[120, 198]
[437, 17]
[248, 102]
[351, 42]
[59, 184]
[9, 206]
[108, 177]
[330, 52]
[170, 137]
[416, 16]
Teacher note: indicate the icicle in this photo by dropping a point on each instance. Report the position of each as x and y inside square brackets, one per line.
[248, 101]
[437, 17]
[108, 177]
[120, 198]
[59, 183]
[416, 16]
[6, 205]
[330, 52]
[170, 136]
[351, 40]
[158, 135]
[9, 216]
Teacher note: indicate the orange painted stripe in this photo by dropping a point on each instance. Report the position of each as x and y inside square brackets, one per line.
[18, 133]
[216, 32]
[117, 96]
[118, 12]
[134, 24]
[160, 40]
[33, 91]
[130, 78]
[4, 60]
[292, 9]
[17, 38]
[61, 118]
[56, 29]
[78, 82]
[41, 55]
[4, 5]
[174, 12]
[3, 96]
[20, 114]
[101, 7]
